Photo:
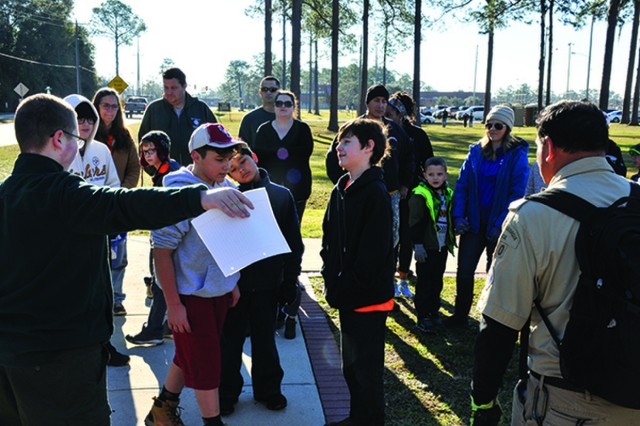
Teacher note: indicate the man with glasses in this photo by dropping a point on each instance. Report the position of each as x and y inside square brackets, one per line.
[177, 114]
[269, 87]
[56, 302]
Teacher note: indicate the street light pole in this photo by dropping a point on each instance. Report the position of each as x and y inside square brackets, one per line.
[593, 18]
[568, 68]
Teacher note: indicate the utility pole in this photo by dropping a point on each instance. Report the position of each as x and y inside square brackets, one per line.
[138, 66]
[77, 60]
[593, 18]
[568, 68]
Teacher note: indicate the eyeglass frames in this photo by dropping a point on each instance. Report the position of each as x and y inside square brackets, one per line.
[113, 107]
[149, 151]
[78, 139]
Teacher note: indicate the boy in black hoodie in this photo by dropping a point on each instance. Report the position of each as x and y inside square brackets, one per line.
[260, 286]
[358, 265]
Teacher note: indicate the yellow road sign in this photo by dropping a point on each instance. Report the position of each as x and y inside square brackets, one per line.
[118, 84]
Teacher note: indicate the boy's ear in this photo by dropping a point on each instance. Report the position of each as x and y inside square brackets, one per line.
[195, 156]
[369, 145]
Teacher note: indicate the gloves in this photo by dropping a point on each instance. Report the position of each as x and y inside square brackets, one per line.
[420, 254]
[486, 414]
[288, 292]
[460, 225]
[494, 234]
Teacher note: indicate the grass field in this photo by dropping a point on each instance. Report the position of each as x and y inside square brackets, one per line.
[426, 377]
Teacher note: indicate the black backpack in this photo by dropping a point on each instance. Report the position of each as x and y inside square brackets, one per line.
[600, 350]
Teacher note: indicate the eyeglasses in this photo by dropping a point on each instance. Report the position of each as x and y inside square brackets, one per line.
[269, 89]
[497, 126]
[113, 107]
[286, 104]
[89, 121]
[150, 151]
[79, 140]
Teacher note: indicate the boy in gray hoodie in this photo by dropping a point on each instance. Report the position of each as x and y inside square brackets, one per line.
[197, 293]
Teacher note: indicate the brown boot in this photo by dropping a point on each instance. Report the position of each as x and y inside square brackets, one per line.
[164, 413]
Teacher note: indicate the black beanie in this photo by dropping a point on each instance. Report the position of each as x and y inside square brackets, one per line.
[375, 91]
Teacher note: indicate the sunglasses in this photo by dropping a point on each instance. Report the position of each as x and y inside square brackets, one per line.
[497, 126]
[89, 121]
[269, 89]
[286, 104]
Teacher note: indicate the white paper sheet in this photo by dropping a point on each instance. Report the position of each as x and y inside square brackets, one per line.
[236, 243]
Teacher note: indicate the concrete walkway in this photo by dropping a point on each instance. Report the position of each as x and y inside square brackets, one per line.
[131, 388]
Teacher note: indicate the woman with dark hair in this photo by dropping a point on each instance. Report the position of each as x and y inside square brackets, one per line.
[494, 174]
[401, 110]
[283, 147]
[113, 133]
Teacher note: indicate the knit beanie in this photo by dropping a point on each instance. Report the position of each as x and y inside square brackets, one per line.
[162, 143]
[502, 113]
[375, 91]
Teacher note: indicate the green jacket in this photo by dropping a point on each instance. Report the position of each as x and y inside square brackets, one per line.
[424, 207]
[55, 287]
[160, 115]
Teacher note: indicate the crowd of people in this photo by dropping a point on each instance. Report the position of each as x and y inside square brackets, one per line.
[391, 204]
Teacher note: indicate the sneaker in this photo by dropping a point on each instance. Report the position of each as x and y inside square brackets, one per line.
[116, 359]
[404, 288]
[164, 413]
[290, 328]
[396, 287]
[275, 402]
[119, 310]
[455, 321]
[144, 338]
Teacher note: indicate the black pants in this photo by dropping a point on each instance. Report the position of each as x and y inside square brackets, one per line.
[362, 338]
[429, 283]
[70, 389]
[471, 247]
[257, 312]
[406, 245]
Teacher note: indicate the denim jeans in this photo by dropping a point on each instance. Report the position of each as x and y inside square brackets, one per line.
[118, 264]
[471, 247]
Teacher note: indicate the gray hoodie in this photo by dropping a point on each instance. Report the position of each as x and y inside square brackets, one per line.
[197, 273]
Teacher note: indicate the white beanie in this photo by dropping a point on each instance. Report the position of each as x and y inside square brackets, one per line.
[502, 113]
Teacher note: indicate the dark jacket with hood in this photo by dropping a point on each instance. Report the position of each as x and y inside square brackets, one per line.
[269, 273]
[357, 253]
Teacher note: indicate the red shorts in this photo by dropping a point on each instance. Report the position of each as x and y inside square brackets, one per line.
[198, 353]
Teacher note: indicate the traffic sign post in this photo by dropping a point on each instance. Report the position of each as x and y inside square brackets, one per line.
[21, 90]
[118, 84]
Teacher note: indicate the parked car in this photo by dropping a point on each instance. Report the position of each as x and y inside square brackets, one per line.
[426, 119]
[426, 111]
[477, 111]
[135, 105]
[453, 110]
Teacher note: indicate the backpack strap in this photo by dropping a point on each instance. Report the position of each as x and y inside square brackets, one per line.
[565, 202]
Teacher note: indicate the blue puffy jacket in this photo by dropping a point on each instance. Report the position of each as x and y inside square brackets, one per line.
[510, 186]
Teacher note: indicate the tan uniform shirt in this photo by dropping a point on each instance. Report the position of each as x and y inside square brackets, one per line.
[535, 259]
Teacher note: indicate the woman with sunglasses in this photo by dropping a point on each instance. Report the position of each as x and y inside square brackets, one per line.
[284, 147]
[494, 174]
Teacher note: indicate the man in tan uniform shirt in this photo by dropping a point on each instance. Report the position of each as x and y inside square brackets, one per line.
[535, 259]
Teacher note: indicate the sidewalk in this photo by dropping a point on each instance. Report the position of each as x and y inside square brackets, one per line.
[313, 382]
[131, 388]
